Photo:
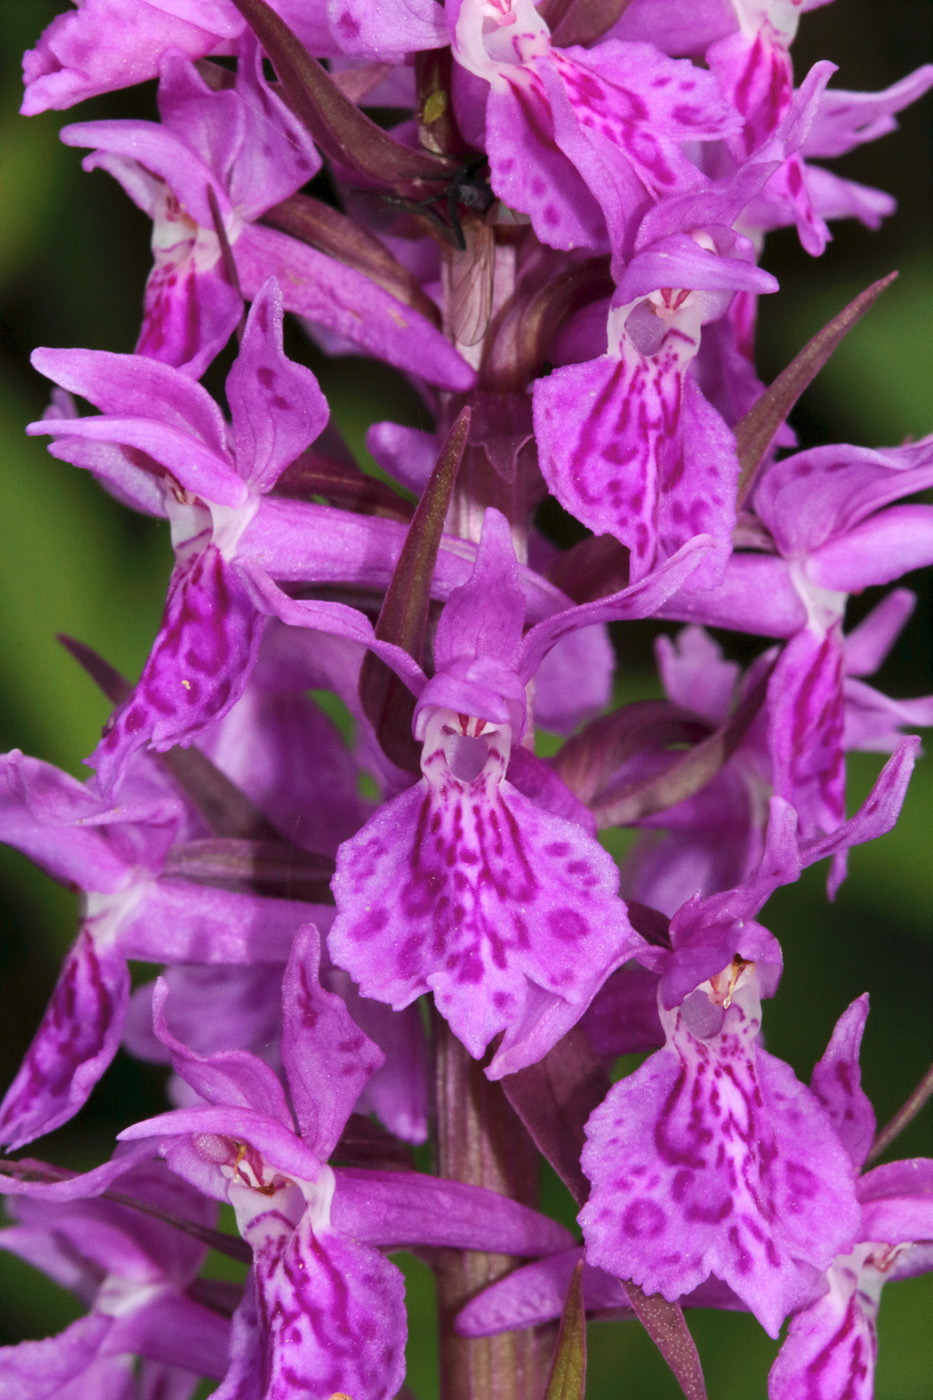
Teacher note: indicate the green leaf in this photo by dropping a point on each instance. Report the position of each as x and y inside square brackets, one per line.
[567, 1380]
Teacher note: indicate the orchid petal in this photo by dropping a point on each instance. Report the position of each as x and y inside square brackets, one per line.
[837, 1083]
[712, 1158]
[445, 890]
[344, 300]
[196, 671]
[276, 405]
[76, 1040]
[393, 1208]
[321, 1045]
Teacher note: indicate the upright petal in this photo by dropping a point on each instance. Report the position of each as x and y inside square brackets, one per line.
[321, 1046]
[276, 405]
[837, 1083]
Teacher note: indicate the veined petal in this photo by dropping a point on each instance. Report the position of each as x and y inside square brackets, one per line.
[198, 666]
[651, 462]
[393, 1208]
[321, 1045]
[344, 300]
[75, 1042]
[330, 1318]
[276, 405]
[837, 1083]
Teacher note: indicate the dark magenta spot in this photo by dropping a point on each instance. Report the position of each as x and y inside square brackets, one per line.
[644, 1219]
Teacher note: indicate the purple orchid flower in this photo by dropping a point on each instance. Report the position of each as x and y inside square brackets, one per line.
[849, 536]
[244, 145]
[133, 1272]
[581, 140]
[323, 1309]
[746, 43]
[830, 1348]
[712, 1159]
[824, 527]
[208, 480]
[463, 886]
[135, 906]
[831, 1344]
[651, 461]
[714, 840]
[104, 45]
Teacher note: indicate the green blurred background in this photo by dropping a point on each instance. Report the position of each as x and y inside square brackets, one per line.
[73, 259]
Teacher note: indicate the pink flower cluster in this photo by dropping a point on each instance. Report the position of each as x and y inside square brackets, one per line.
[555, 237]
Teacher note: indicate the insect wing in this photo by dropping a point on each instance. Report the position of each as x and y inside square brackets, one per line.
[471, 273]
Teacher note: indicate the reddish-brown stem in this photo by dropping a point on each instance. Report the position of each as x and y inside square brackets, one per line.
[904, 1115]
[480, 1140]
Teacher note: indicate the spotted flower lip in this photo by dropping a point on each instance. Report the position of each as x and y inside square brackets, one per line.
[462, 886]
[713, 1159]
[648, 458]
